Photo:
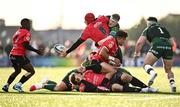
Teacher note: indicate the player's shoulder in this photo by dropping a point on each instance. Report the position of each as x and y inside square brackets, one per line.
[102, 19]
[24, 32]
[111, 39]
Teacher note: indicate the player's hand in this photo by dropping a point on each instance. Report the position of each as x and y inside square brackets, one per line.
[40, 52]
[63, 53]
[117, 62]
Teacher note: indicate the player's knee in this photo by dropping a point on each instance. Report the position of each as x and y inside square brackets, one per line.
[17, 72]
[167, 68]
[117, 88]
[32, 73]
[126, 77]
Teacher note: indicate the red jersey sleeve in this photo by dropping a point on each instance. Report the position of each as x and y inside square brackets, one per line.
[86, 33]
[27, 37]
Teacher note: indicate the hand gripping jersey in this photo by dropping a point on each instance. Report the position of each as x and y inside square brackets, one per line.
[21, 36]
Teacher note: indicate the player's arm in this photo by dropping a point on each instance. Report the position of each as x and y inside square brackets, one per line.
[104, 53]
[29, 47]
[85, 35]
[139, 44]
[75, 45]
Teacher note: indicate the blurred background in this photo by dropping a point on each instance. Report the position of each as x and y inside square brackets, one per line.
[62, 21]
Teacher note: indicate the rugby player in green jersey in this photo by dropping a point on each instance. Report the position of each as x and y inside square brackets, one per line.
[161, 47]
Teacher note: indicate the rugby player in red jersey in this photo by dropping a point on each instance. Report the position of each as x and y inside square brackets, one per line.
[89, 81]
[96, 30]
[106, 56]
[21, 43]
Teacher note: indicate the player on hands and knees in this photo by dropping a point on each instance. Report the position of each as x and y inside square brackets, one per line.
[161, 47]
[21, 43]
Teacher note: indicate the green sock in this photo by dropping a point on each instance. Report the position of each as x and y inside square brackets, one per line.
[50, 85]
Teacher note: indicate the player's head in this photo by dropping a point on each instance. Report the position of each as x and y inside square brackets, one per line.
[89, 18]
[114, 19]
[26, 23]
[121, 37]
[74, 78]
[151, 20]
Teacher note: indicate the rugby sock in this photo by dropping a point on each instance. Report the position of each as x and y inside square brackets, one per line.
[149, 69]
[38, 86]
[130, 89]
[138, 83]
[7, 84]
[50, 85]
[19, 84]
[172, 82]
[104, 82]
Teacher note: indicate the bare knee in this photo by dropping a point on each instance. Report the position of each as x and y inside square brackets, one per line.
[117, 88]
[167, 68]
[126, 77]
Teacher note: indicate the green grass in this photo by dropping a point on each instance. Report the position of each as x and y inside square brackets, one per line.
[44, 98]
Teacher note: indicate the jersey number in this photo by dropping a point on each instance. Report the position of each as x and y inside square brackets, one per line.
[160, 30]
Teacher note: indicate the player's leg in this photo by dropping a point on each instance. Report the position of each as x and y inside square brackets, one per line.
[123, 88]
[44, 84]
[133, 80]
[170, 74]
[149, 60]
[12, 77]
[125, 76]
[30, 72]
[17, 68]
[61, 87]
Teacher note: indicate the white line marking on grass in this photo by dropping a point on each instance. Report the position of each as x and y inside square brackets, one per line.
[153, 98]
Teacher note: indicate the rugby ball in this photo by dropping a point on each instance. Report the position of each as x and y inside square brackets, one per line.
[59, 48]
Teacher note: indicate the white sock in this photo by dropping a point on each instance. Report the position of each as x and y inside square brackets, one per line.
[172, 82]
[149, 69]
[7, 84]
[19, 84]
[38, 86]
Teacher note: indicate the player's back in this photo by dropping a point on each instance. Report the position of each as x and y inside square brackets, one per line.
[157, 33]
[97, 30]
[19, 38]
[94, 78]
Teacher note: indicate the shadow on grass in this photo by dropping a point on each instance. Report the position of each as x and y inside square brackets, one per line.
[85, 93]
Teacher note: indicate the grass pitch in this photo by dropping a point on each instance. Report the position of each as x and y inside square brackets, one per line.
[44, 98]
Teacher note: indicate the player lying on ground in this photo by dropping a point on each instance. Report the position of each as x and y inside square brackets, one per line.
[89, 81]
[119, 82]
